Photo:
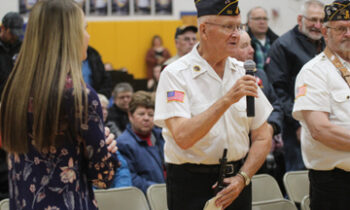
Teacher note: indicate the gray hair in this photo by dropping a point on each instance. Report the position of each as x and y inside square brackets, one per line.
[309, 3]
[254, 8]
[103, 98]
[122, 87]
[202, 20]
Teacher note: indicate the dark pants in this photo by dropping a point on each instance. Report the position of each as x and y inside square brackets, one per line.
[329, 190]
[292, 149]
[188, 190]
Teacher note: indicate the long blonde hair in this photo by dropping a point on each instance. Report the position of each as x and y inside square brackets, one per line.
[51, 50]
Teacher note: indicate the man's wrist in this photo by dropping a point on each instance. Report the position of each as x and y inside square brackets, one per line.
[242, 179]
[245, 177]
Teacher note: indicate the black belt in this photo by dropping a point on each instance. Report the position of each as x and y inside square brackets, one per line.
[232, 167]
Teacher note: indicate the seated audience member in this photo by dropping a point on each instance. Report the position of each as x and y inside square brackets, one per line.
[274, 164]
[110, 124]
[118, 113]
[153, 83]
[142, 144]
[156, 55]
[108, 66]
[122, 177]
[94, 73]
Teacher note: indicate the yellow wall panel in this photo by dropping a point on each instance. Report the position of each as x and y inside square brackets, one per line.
[125, 43]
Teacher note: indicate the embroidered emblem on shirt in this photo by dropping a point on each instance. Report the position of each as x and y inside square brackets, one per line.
[196, 68]
[301, 91]
[175, 95]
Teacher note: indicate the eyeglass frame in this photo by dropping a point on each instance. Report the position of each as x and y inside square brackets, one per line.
[314, 20]
[187, 39]
[229, 27]
[259, 18]
[340, 29]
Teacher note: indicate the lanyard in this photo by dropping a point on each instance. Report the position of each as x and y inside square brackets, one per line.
[336, 62]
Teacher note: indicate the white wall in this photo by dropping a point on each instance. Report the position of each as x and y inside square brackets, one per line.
[7, 6]
[287, 10]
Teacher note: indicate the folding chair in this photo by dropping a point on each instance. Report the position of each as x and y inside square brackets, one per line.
[277, 204]
[156, 195]
[125, 198]
[297, 185]
[265, 187]
[5, 204]
[305, 203]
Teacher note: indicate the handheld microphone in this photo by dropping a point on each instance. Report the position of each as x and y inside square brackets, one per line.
[249, 67]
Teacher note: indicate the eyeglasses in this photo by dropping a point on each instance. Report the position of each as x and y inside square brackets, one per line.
[341, 30]
[228, 27]
[313, 20]
[259, 18]
[188, 39]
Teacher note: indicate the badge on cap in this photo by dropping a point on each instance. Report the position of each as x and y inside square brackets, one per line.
[338, 10]
[217, 7]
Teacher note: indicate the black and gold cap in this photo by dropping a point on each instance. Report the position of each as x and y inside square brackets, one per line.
[182, 29]
[338, 10]
[217, 7]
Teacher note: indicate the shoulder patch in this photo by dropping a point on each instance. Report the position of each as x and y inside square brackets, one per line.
[175, 95]
[301, 91]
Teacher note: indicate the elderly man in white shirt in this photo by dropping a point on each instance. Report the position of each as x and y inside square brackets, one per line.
[322, 106]
[201, 105]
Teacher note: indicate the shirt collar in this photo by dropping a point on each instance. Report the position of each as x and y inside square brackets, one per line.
[199, 65]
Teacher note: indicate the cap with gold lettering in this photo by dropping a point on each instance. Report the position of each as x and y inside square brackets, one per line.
[217, 7]
[338, 10]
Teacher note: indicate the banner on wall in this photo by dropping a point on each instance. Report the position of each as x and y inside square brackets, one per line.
[114, 7]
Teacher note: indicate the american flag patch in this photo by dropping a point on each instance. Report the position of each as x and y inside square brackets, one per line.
[175, 95]
[301, 91]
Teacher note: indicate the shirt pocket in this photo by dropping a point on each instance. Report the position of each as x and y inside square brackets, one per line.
[341, 96]
[241, 107]
[341, 103]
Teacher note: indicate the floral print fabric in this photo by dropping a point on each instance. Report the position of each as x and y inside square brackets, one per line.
[61, 177]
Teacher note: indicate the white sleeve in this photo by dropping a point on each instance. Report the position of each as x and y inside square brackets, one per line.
[311, 92]
[171, 82]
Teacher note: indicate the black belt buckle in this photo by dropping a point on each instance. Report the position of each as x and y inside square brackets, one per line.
[230, 169]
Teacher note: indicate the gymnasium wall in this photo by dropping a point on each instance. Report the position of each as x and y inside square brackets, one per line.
[125, 43]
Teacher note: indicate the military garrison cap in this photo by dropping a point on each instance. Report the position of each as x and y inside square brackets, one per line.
[217, 7]
[338, 10]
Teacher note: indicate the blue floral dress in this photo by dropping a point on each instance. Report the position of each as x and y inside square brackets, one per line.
[61, 177]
